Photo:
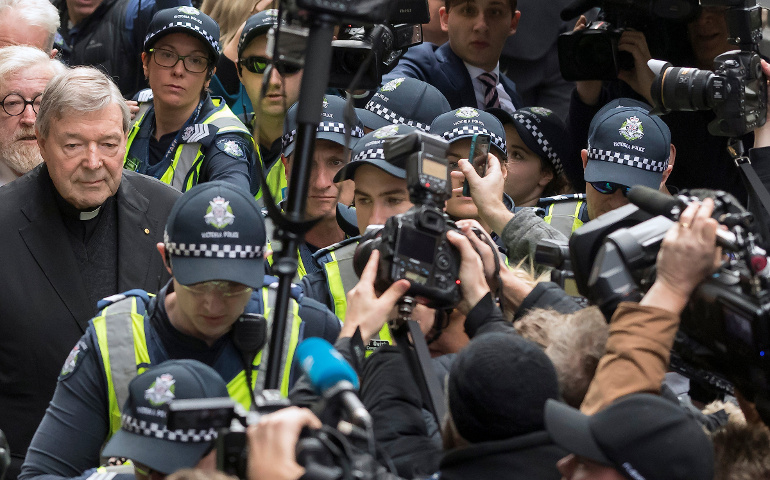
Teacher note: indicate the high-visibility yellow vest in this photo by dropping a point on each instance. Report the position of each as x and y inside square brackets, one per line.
[188, 157]
[122, 343]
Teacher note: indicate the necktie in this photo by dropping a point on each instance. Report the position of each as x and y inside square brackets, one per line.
[489, 80]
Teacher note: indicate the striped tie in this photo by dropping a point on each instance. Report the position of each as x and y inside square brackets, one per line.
[489, 80]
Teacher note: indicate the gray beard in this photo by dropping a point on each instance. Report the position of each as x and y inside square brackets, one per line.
[22, 158]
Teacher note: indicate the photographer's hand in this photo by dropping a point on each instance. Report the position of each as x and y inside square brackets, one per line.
[487, 192]
[273, 442]
[483, 248]
[641, 77]
[365, 310]
[687, 256]
[472, 282]
[588, 90]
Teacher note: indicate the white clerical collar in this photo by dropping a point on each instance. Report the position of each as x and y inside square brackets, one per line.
[90, 215]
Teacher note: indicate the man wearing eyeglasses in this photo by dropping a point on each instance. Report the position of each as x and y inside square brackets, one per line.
[213, 246]
[187, 137]
[626, 146]
[24, 73]
[269, 109]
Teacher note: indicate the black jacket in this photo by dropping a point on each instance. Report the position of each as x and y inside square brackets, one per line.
[527, 457]
[44, 305]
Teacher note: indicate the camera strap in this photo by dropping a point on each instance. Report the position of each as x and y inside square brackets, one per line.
[754, 186]
[419, 361]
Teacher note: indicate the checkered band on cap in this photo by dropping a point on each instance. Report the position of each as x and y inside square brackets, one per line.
[391, 116]
[155, 430]
[470, 130]
[626, 159]
[370, 154]
[334, 127]
[214, 251]
[190, 26]
[541, 140]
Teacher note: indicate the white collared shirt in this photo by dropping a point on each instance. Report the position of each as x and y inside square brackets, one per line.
[479, 88]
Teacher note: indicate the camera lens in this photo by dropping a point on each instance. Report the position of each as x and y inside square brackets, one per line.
[683, 88]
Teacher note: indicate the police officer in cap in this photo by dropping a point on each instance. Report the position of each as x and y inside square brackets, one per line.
[213, 246]
[182, 135]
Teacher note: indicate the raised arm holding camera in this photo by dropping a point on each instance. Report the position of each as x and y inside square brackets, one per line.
[642, 334]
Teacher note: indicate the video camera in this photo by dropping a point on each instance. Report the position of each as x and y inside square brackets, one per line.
[373, 37]
[725, 329]
[736, 90]
[592, 53]
[413, 245]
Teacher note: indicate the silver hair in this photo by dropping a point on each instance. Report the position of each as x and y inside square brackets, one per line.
[18, 58]
[80, 89]
[39, 13]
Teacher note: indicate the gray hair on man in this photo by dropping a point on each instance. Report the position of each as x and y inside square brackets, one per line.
[81, 90]
[18, 58]
[39, 13]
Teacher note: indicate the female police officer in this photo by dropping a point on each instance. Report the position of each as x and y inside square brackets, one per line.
[186, 137]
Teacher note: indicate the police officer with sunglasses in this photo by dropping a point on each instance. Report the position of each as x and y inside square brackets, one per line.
[626, 146]
[270, 106]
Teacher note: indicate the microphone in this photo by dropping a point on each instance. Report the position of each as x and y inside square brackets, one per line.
[658, 203]
[332, 377]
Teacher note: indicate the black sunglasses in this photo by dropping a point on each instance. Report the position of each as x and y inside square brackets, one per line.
[610, 187]
[260, 64]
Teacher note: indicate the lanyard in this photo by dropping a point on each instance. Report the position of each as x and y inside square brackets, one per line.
[141, 143]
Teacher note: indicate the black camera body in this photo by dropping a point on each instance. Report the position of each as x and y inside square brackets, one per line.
[413, 245]
[736, 90]
[592, 53]
[386, 43]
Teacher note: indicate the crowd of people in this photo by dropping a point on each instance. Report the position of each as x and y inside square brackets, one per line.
[142, 145]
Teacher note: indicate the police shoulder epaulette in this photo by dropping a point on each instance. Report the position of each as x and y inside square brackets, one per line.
[107, 301]
[271, 281]
[144, 95]
[319, 254]
[561, 198]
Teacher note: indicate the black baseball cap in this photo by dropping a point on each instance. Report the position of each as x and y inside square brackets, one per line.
[216, 232]
[371, 150]
[406, 101]
[257, 25]
[643, 436]
[333, 125]
[187, 20]
[627, 145]
[144, 436]
[468, 121]
[541, 130]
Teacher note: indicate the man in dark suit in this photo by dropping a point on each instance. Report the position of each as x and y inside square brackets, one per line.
[75, 229]
[466, 69]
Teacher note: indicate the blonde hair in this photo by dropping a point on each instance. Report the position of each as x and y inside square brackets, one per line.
[229, 14]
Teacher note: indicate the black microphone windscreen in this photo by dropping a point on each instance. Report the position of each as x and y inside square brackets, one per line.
[654, 201]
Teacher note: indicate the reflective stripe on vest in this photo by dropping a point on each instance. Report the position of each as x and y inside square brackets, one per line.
[564, 216]
[341, 278]
[123, 364]
[114, 326]
[188, 157]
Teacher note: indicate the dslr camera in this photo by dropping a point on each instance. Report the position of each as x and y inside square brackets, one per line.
[592, 53]
[413, 245]
[736, 90]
